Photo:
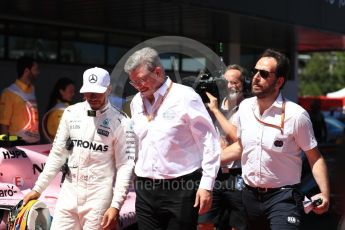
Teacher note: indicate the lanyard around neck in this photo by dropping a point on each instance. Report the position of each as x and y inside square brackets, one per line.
[151, 116]
[281, 127]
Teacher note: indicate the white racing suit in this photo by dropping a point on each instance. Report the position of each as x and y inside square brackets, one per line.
[104, 148]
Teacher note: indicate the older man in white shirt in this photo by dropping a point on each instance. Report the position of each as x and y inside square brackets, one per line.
[178, 157]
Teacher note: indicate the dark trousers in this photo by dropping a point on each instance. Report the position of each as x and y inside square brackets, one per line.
[227, 208]
[279, 209]
[167, 204]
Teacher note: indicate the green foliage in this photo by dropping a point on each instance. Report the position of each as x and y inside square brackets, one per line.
[323, 73]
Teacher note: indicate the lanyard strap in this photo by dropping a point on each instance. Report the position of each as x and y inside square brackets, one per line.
[281, 127]
[150, 117]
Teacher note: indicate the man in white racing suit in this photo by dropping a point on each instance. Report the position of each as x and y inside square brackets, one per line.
[103, 148]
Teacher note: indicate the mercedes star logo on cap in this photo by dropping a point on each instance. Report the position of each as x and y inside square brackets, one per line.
[92, 78]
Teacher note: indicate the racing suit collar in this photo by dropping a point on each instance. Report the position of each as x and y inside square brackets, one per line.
[96, 113]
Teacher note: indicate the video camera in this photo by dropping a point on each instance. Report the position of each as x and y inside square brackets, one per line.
[211, 84]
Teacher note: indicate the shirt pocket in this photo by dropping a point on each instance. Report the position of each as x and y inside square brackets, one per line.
[280, 143]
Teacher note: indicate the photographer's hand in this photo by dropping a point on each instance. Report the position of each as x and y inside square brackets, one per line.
[228, 128]
[213, 104]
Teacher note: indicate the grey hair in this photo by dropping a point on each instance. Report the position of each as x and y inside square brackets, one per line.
[242, 70]
[145, 57]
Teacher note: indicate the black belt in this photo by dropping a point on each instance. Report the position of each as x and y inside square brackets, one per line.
[269, 190]
[233, 171]
[191, 176]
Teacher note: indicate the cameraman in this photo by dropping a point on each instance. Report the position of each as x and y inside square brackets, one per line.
[227, 194]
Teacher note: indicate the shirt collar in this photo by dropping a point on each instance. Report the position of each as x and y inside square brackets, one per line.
[63, 102]
[100, 111]
[161, 90]
[26, 88]
[278, 102]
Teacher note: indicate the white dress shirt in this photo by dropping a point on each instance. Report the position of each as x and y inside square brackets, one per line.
[264, 162]
[179, 140]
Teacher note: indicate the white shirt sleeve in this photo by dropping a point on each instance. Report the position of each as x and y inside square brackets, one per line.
[206, 138]
[304, 133]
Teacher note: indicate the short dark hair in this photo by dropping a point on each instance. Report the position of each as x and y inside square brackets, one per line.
[283, 63]
[23, 63]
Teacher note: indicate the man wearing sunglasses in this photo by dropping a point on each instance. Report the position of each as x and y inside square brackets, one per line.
[272, 133]
[179, 151]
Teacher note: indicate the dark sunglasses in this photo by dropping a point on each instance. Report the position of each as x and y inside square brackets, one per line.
[263, 73]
